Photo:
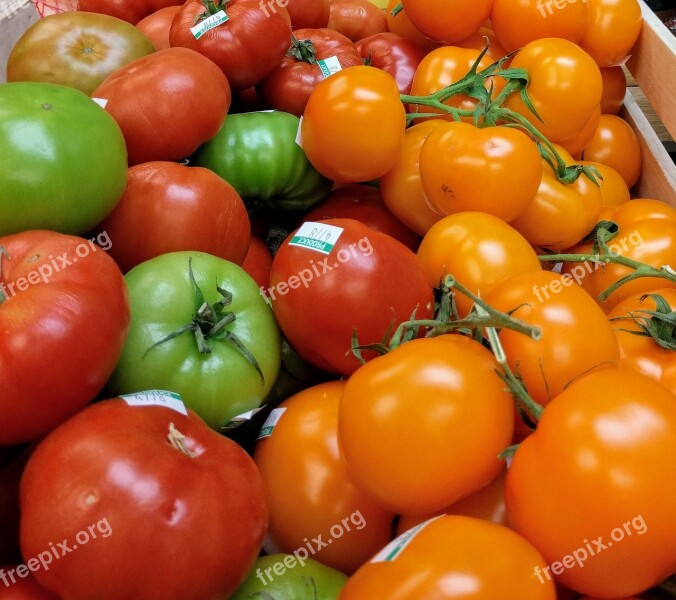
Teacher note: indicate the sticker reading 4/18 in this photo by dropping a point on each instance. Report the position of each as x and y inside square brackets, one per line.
[209, 23]
[317, 236]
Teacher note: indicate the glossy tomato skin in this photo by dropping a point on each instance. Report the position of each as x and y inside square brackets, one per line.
[478, 42]
[130, 11]
[517, 22]
[202, 211]
[49, 136]
[479, 250]
[289, 86]
[70, 320]
[258, 155]
[218, 384]
[613, 188]
[23, 589]
[76, 49]
[353, 125]
[612, 28]
[615, 144]
[565, 87]
[392, 53]
[365, 204]
[246, 48]
[641, 352]
[444, 397]
[308, 13]
[454, 558]
[402, 189]
[159, 101]
[363, 264]
[156, 26]
[402, 26]
[563, 312]
[203, 506]
[612, 431]
[258, 262]
[447, 21]
[308, 492]
[496, 170]
[356, 19]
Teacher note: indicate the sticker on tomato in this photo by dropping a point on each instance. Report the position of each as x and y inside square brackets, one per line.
[270, 423]
[397, 546]
[209, 23]
[329, 66]
[170, 400]
[319, 237]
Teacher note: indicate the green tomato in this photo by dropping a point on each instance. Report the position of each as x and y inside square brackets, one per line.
[258, 155]
[199, 327]
[293, 579]
[64, 159]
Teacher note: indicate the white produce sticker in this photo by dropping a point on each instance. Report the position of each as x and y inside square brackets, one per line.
[299, 133]
[239, 419]
[270, 423]
[170, 400]
[209, 23]
[329, 66]
[319, 237]
[396, 547]
[101, 101]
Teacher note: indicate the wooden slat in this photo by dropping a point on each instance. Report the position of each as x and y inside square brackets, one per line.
[658, 177]
[653, 65]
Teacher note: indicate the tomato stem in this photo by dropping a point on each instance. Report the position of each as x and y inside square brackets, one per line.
[659, 324]
[397, 9]
[177, 440]
[302, 50]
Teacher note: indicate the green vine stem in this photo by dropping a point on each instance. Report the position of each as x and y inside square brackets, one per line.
[658, 324]
[211, 8]
[605, 232]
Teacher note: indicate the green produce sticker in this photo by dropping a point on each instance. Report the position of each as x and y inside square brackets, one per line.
[329, 66]
[170, 400]
[396, 547]
[239, 419]
[209, 23]
[269, 425]
[319, 237]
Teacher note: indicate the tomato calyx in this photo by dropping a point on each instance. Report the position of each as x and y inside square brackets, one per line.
[177, 440]
[603, 233]
[658, 324]
[209, 323]
[212, 7]
[303, 50]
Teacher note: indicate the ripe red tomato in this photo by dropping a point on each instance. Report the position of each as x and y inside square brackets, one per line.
[159, 103]
[159, 484]
[356, 19]
[453, 558]
[363, 264]
[592, 476]
[64, 316]
[517, 22]
[424, 392]
[615, 144]
[447, 21]
[365, 204]
[306, 13]
[202, 211]
[156, 26]
[614, 89]
[353, 125]
[258, 262]
[247, 47]
[22, 589]
[289, 86]
[392, 53]
[127, 10]
[310, 493]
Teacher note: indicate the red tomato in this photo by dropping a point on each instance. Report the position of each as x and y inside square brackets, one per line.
[356, 19]
[159, 103]
[424, 392]
[159, 484]
[202, 211]
[615, 144]
[247, 47]
[22, 587]
[517, 22]
[306, 13]
[365, 204]
[447, 21]
[156, 26]
[392, 53]
[592, 476]
[289, 86]
[614, 89]
[363, 264]
[64, 316]
[453, 558]
[258, 262]
[131, 11]
[310, 494]
[402, 26]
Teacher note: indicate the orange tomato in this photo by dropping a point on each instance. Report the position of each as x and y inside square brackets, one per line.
[614, 190]
[614, 89]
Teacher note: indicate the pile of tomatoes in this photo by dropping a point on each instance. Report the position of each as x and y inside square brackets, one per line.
[327, 299]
